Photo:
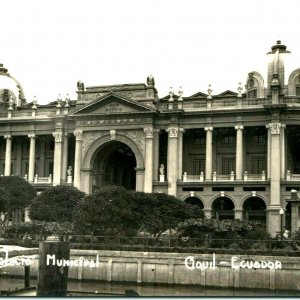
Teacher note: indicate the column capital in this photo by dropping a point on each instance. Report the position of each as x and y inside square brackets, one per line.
[78, 134]
[58, 136]
[173, 132]
[237, 127]
[149, 132]
[274, 127]
[7, 136]
[208, 128]
[182, 130]
[31, 135]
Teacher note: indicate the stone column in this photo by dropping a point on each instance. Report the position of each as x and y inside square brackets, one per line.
[148, 182]
[58, 135]
[239, 152]
[77, 163]
[269, 153]
[172, 160]
[275, 201]
[18, 165]
[41, 171]
[156, 154]
[208, 154]
[31, 168]
[180, 153]
[282, 154]
[7, 169]
[65, 158]
[238, 214]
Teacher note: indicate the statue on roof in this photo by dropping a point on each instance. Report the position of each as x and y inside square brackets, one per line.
[150, 81]
[80, 85]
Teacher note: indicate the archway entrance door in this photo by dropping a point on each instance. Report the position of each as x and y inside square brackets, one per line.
[255, 209]
[115, 164]
[223, 208]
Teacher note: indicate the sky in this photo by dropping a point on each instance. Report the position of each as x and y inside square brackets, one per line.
[49, 45]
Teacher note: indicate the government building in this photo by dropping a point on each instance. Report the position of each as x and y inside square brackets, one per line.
[235, 154]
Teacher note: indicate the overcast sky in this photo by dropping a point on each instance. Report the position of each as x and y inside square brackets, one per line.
[49, 45]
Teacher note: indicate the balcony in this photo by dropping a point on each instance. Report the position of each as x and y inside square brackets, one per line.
[292, 177]
[223, 178]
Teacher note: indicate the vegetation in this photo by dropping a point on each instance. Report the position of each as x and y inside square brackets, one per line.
[56, 204]
[16, 194]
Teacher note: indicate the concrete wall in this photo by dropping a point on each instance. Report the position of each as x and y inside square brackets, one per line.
[169, 268]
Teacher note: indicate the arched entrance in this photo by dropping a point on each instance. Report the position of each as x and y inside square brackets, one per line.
[194, 201]
[223, 208]
[255, 209]
[115, 164]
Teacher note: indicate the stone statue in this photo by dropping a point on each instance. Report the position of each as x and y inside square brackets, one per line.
[80, 85]
[162, 169]
[150, 81]
[69, 171]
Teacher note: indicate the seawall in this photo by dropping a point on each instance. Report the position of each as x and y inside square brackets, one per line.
[226, 271]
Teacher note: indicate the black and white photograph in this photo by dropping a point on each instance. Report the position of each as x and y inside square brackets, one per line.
[149, 148]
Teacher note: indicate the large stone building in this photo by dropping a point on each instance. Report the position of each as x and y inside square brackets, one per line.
[235, 154]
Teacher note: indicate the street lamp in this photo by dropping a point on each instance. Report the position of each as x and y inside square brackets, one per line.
[281, 212]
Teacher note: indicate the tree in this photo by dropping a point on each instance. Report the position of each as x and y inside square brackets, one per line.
[55, 204]
[16, 194]
[107, 211]
[159, 212]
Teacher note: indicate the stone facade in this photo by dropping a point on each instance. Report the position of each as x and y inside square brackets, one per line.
[234, 154]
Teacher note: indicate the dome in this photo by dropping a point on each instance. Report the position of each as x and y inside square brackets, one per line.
[10, 88]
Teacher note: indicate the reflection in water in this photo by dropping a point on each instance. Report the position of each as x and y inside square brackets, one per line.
[147, 290]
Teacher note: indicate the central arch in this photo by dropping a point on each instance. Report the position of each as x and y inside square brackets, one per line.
[115, 164]
[105, 157]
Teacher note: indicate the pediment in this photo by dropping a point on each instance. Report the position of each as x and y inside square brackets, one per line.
[113, 104]
[199, 95]
[227, 93]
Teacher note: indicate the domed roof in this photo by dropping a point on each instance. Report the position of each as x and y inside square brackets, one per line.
[10, 88]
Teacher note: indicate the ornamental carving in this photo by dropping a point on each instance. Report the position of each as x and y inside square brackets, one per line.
[78, 134]
[89, 139]
[7, 136]
[239, 127]
[149, 132]
[137, 136]
[173, 132]
[275, 128]
[112, 134]
[32, 135]
[58, 135]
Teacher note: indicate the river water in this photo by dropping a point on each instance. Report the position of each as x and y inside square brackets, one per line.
[147, 290]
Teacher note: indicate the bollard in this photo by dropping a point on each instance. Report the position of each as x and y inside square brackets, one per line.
[52, 277]
[27, 276]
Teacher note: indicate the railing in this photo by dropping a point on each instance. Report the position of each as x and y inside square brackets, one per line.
[292, 177]
[40, 180]
[164, 243]
[231, 177]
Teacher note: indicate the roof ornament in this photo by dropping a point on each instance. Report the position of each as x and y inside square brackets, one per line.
[80, 85]
[67, 101]
[59, 100]
[240, 89]
[209, 91]
[10, 102]
[150, 81]
[180, 93]
[171, 94]
[34, 103]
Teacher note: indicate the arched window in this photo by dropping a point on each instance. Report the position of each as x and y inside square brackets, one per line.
[222, 208]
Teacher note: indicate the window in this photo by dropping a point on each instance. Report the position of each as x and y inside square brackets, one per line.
[252, 94]
[228, 140]
[257, 165]
[199, 141]
[298, 91]
[259, 139]
[198, 166]
[228, 165]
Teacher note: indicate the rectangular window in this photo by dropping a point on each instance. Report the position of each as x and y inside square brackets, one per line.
[198, 166]
[252, 94]
[259, 139]
[298, 91]
[257, 165]
[228, 140]
[228, 165]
